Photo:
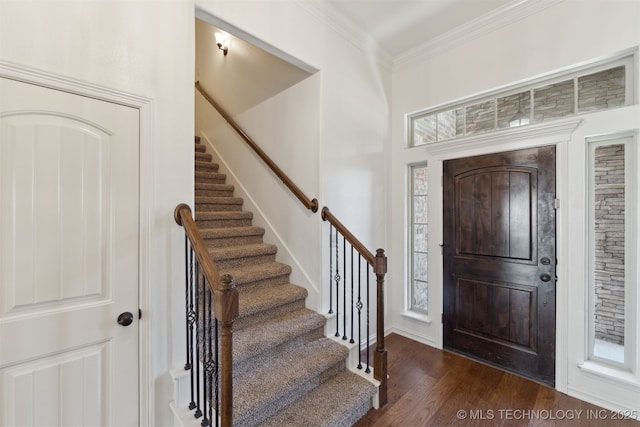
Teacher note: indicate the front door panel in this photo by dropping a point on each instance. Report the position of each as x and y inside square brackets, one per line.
[499, 230]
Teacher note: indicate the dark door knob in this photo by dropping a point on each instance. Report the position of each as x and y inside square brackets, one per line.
[545, 277]
[125, 319]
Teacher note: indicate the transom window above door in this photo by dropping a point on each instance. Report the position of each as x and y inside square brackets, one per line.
[580, 90]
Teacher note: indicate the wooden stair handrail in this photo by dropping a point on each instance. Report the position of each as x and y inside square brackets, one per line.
[225, 303]
[311, 204]
[362, 249]
[379, 264]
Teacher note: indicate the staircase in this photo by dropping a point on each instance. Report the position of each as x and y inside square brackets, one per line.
[286, 372]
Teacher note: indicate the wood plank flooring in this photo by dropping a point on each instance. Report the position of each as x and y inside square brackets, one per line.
[431, 387]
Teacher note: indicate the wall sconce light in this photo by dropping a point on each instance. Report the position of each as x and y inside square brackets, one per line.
[520, 118]
[222, 40]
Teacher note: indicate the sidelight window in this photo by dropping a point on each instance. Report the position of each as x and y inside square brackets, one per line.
[613, 248]
[419, 239]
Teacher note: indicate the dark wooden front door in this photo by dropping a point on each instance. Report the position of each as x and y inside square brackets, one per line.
[500, 260]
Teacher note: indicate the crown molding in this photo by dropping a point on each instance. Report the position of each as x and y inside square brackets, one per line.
[485, 24]
[347, 30]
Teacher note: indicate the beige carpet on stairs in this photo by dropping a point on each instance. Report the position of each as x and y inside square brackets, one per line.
[286, 372]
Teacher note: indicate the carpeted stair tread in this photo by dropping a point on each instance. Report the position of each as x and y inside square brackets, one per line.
[263, 300]
[209, 185]
[260, 338]
[242, 251]
[201, 176]
[226, 232]
[278, 381]
[253, 273]
[219, 219]
[338, 402]
[206, 166]
[219, 200]
[204, 216]
[203, 156]
[213, 186]
[218, 203]
[200, 148]
[220, 237]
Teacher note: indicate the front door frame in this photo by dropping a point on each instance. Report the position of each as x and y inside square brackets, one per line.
[556, 133]
[50, 80]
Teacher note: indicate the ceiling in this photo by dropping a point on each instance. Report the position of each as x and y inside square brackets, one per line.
[402, 25]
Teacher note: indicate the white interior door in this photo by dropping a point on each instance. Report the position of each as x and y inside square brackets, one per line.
[69, 227]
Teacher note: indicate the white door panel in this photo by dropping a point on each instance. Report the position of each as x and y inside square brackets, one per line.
[80, 378]
[68, 258]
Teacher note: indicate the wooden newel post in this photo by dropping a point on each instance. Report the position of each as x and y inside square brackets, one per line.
[226, 311]
[380, 356]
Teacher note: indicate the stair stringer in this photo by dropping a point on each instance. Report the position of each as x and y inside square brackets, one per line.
[183, 416]
[352, 359]
[299, 275]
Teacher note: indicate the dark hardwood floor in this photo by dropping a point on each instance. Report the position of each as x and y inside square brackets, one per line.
[431, 387]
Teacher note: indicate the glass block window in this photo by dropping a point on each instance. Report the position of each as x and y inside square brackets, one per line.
[419, 239]
[565, 94]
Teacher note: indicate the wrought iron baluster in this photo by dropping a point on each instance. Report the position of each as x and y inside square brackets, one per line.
[359, 307]
[187, 364]
[191, 318]
[337, 288]
[351, 302]
[207, 356]
[330, 270]
[344, 288]
[216, 371]
[368, 369]
[199, 339]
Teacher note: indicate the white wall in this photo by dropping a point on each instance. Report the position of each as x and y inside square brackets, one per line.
[561, 35]
[145, 49]
[349, 143]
